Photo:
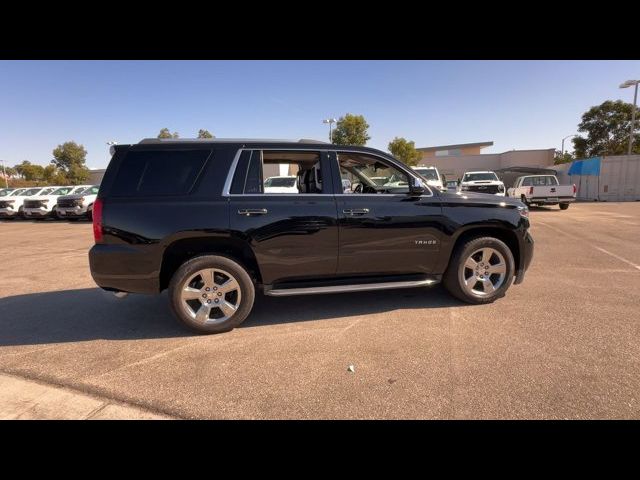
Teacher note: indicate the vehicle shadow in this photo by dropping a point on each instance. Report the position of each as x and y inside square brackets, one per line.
[552, 209]
[275, 310]
[93, 314]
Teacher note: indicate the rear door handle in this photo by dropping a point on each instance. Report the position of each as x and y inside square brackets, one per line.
[355, 211]
[248, 212]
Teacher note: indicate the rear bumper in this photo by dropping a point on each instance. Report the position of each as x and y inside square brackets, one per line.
[526, 255]
[546, 201]
[135, 272]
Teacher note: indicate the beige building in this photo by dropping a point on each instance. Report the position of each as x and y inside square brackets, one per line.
[453, 160]
[95, 176]
[454, 150]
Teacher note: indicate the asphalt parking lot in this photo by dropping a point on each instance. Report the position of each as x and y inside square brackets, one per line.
[564, 344]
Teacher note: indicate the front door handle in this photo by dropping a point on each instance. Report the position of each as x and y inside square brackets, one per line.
[248, 212]
[355, 211]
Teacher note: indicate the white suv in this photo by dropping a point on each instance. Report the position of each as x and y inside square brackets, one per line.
[44, 205]
[12, 205]
[431, 175]
[80, 204]
[484, 181]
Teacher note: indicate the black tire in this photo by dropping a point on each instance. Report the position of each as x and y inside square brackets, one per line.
[90, 213]
[523, 199]
[191, 267]
[453, 277]
[564, 206]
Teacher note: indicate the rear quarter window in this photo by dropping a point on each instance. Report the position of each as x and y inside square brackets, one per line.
[158, 173]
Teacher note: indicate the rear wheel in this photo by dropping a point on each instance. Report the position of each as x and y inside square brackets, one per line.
[480, 271]
[90, 213]
[211, 294]
[564, 206]
[523, 199]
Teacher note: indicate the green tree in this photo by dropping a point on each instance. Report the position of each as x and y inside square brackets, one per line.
[607, 127]
[404, 151]
[70, 161]
[165, 133]
[351, 130]
[559, 158]
[49, 174]
[205, 134]
[30, 171]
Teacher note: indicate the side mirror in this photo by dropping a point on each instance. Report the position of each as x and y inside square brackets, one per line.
[416, 187]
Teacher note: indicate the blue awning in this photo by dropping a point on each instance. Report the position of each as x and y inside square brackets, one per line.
[588, 166]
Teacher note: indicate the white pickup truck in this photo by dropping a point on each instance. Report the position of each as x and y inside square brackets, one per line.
[542, 190]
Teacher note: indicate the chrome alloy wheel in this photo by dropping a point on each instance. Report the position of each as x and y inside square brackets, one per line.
[210, 296]
[483, 272]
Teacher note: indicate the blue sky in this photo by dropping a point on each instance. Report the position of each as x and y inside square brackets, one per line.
[517, 105]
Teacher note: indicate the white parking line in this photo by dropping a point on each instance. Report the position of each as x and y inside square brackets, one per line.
[617, 256]
[591, 245]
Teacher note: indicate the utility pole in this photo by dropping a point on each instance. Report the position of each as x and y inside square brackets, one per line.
[627, 84]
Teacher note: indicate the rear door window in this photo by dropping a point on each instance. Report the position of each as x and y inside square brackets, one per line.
[157, 173]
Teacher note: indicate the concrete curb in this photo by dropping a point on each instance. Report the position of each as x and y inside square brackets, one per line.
[22, 399]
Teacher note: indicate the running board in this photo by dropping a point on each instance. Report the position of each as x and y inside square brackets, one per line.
[285, 292]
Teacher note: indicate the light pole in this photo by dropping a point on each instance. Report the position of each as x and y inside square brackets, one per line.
[626, 84]
[330, 121]
[568, 136]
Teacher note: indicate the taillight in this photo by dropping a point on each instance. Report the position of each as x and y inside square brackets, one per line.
[574, 189]
[97, 220]
[530, 190]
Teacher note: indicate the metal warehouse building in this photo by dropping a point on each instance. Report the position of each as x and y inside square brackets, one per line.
[610, 178]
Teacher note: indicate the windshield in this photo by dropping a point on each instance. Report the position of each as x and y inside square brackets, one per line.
[17, 192]
[31, 191]
[280, 182]
[62, 191]
[4, 193]
[474, 177]
[428, 173]
[46, 191]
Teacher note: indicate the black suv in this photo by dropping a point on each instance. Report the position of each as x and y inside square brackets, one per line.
[195, 216]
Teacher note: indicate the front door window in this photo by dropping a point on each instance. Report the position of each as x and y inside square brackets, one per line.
[365, 174]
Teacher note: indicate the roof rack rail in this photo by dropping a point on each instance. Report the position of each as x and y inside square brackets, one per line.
[310, 140]
[226, 140]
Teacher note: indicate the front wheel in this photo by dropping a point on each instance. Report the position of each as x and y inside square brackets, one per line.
[564, 206]
[480, 271]
[211, 294]
[523, 199]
